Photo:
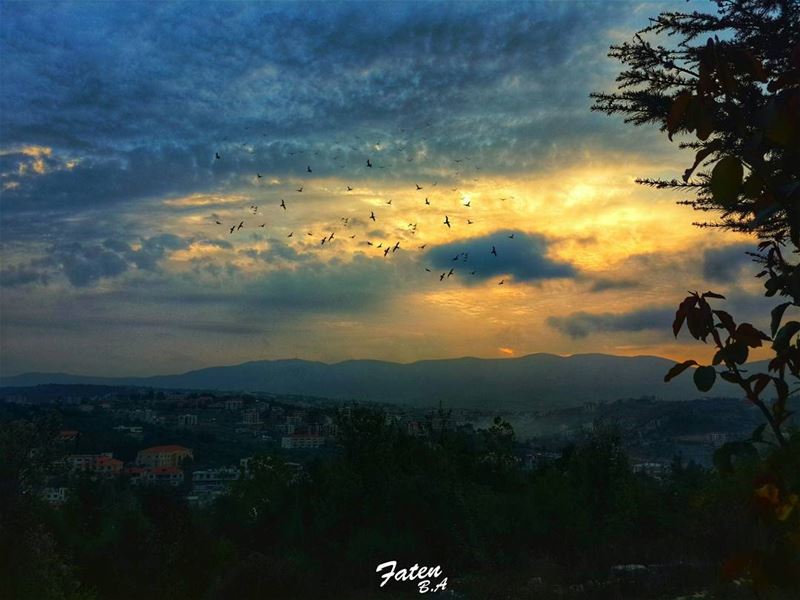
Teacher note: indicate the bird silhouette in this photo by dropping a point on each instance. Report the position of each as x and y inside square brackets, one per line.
[386, 251]
[494, 251]
[467, 203]
[290, 235]
[427, 269]
[258, 175]
[369, 164]
[396, 247]
[262, 225]
[469, 222]
[449, 273]
[427, 202]
[389, 202]
[308, 168]
[423, 246]
[501, 282]
[300, 189]
[447, 221]
[233, 228]
[349, 189]
[441, 277]
[283, 204]
[418, 188]
[372, 215]
[217, 156]
[511, 237]
[241, 224]
[218, 222]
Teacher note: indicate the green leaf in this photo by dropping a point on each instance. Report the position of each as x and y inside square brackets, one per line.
[726, 180]
[777, 315]
[704, 378]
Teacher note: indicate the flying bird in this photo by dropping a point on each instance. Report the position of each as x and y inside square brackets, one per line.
[217, 156]
[283, 204]
[427, 202]
[469, 222]
[372, 215]
[441, 277]
[241, 224]
[300, 189]
[349, 189]
[494, 251]
[308, 168]
[386, 251]
[511, 237]
[418, 188]
[262, 225]
[396, 247]
[447, 221]
[290, 235]
[501, 282]
[258, 175]
[369, 164]
[218, 222]
[233, 228]
[467, 203]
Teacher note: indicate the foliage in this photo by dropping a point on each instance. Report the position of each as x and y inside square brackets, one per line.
[729, 83]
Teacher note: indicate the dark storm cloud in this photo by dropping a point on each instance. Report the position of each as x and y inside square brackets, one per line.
[523, 257]
[84, 263]
[581, 324]
[725, 264]
[144, 96]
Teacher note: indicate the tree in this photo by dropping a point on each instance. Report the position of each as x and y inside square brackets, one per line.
[728, 83]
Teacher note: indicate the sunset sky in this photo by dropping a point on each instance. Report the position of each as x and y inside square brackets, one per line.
[111, 116]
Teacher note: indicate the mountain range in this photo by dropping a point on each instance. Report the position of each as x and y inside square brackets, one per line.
[532, 382]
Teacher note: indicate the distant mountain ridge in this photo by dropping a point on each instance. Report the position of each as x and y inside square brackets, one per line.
[532, 382]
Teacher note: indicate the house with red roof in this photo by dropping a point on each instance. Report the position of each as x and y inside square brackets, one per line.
[163, 456]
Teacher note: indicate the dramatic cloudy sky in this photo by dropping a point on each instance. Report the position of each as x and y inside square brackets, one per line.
[112, 115]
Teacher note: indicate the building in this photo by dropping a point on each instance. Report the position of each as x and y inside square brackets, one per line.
[187, 420]
[302, 440]
[232, 404]
[107, 466]
[85, 462]
[55, 495]
[69, 436]
[251, 417]
[135, 431]
[163, 456]
[155, 475]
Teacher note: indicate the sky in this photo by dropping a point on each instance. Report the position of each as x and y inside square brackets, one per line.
[112, 116]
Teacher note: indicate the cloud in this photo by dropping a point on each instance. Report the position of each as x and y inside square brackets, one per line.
[725, 264]
[582, 324]
[524, 257]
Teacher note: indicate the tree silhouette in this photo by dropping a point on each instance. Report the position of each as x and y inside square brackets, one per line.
[728, 84]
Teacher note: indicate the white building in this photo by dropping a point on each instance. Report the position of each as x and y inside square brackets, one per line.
[302, 440]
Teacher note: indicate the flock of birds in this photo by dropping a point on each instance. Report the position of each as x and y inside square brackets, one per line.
[345, 222]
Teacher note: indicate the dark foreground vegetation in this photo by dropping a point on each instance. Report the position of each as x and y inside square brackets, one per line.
[457, 499]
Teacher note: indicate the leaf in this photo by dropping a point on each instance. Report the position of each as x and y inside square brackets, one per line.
[678, 369]
[726, 180]
[726, 320]
[701, 155]
[784, 336]
[747, 334]
[777, 315]
[704, 378]
[713, 295]
[677, 112]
